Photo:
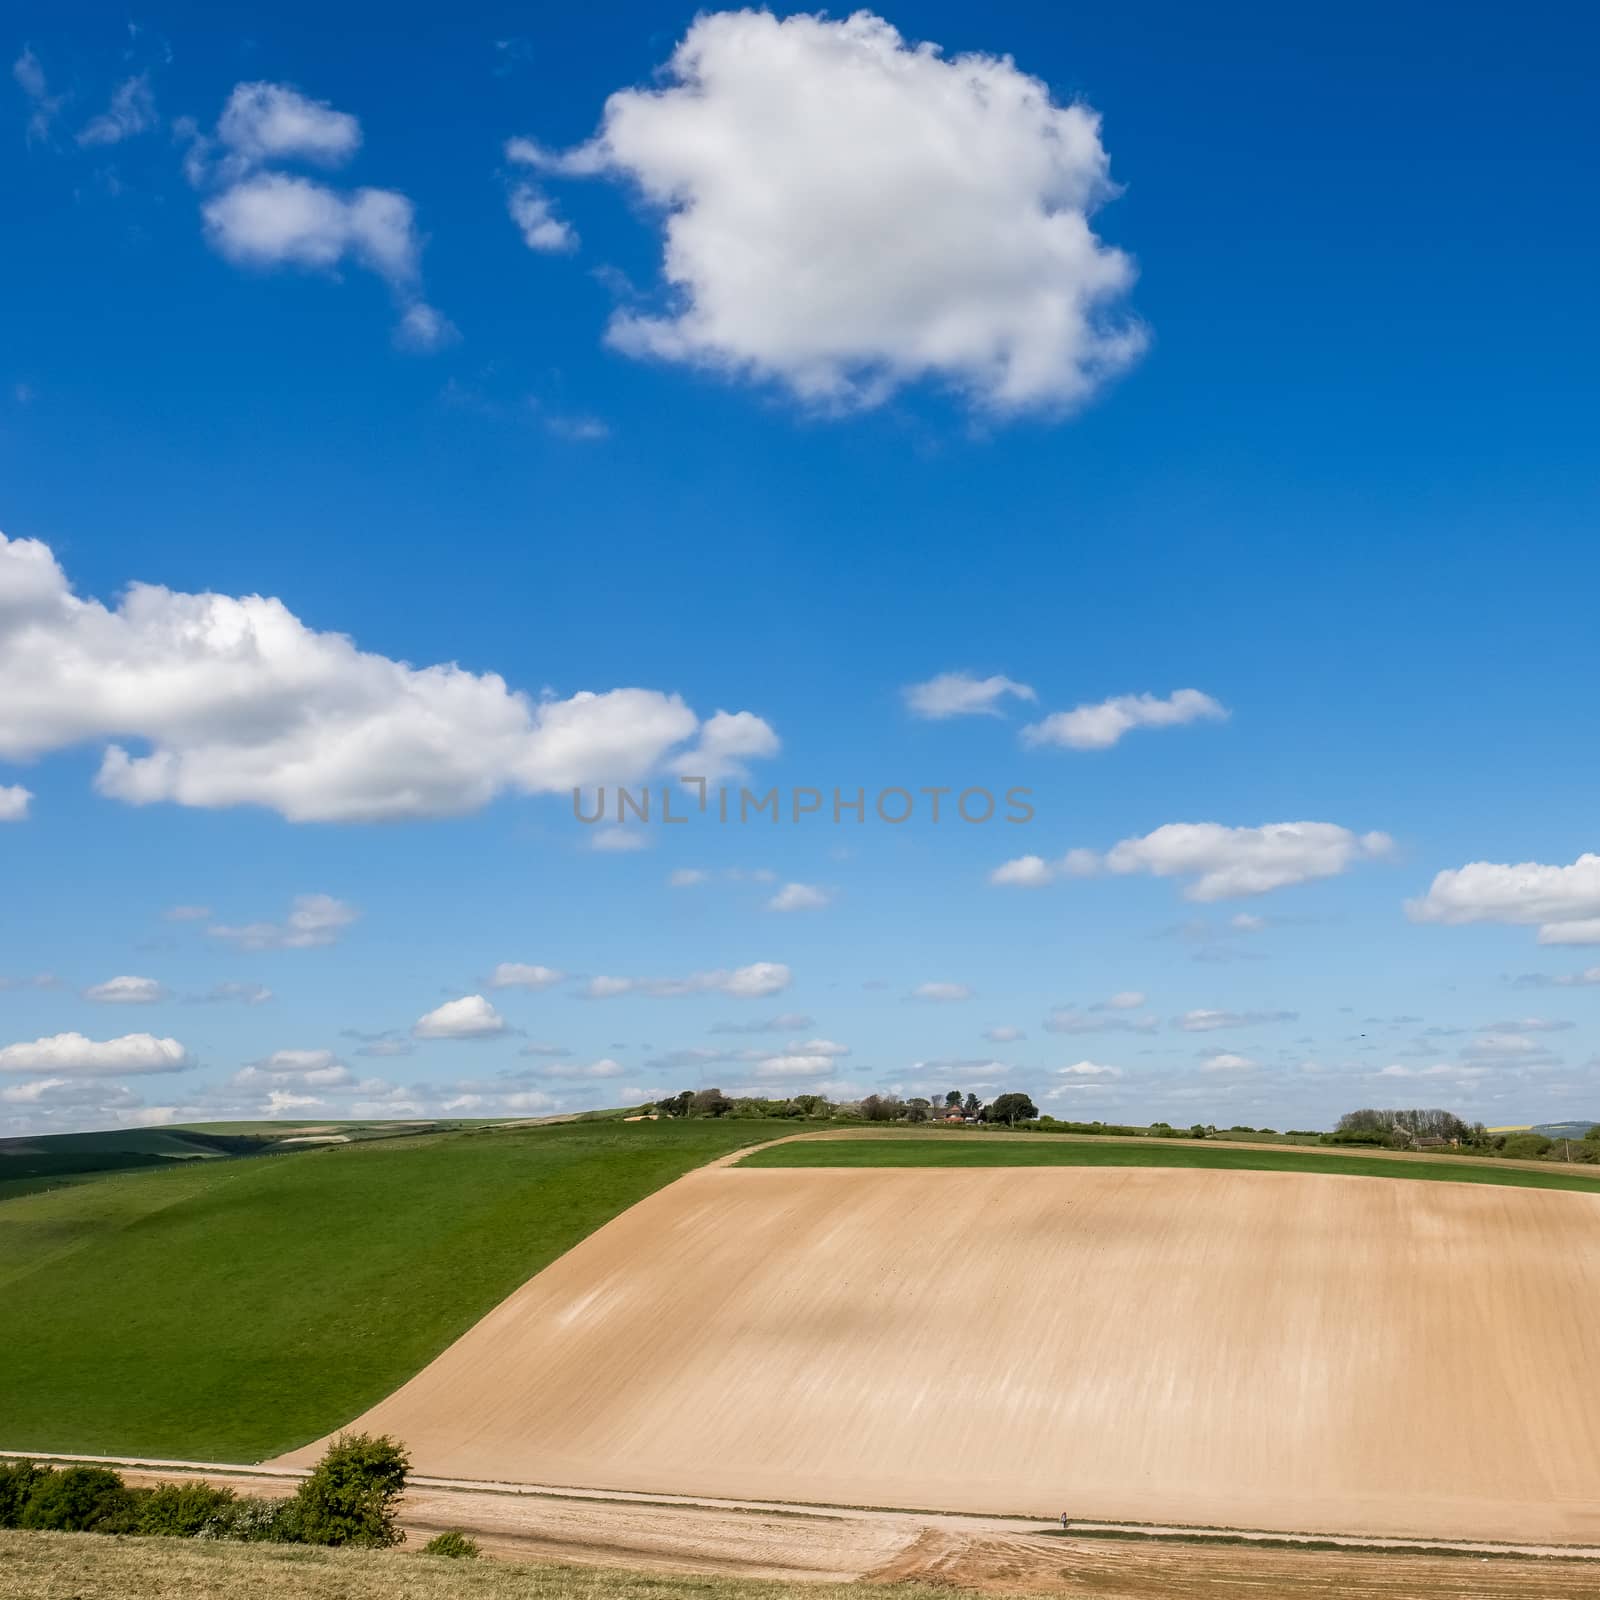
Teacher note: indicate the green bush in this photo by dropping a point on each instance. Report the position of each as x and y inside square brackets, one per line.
[183, 1510]
[79, 1500]
[351, 1494]
[17, 1479]
[252, 1521]
[1526, 1145]
[455, 1545]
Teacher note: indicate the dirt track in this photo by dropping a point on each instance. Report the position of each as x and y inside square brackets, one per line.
[1265, 1350]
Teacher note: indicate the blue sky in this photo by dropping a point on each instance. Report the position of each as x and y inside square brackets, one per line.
[1244, 353]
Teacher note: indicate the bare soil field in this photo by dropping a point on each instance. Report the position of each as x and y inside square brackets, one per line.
[1250, 1350]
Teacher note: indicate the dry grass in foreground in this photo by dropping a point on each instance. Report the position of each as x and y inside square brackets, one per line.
[87, 1566]
[90, 1566]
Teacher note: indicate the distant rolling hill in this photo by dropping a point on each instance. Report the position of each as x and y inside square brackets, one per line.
[1566, 1130]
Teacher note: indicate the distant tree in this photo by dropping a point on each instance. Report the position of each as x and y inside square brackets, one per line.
[1013, 1108]
[181, 1510]
[78, 1500]
[17, 1479]
[1527, 1146]
[882, 1108]
[352, 1492]
[953, 1100]
[972, 1107]
[1402, 1127]
[809, 1105]
[1594, 1133]
[710, 1103]
[918, 1110]
[675, 1105]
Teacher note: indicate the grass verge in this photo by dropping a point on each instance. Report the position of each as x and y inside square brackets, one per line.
[50, 1566]
[945, 1150]
[229, 1310]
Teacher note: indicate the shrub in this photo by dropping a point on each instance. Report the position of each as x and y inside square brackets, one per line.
[183, 1510]
[252, 1521]
[17, 1479]
[1526, 1145]
[78, 1500]
[350, 1496]
[455, 1545]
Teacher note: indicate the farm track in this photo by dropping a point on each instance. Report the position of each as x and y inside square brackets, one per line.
[756, 1539]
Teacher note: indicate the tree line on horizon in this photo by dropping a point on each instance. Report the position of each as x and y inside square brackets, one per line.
[1009, 1108]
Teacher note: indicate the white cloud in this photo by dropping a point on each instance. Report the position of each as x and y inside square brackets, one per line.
[784, 1022]
[942, 993]
[281, 1102]
[28, 71]
[385, 1046]
[126, 991]
[1025, 872]
[535, 217]
[589, 1072]
[686, 877]
[1563, 901]
[71, 1054]
[302, 1069]
[262, 218]
[1531, 1025]
[273, 219]
[1098, 727]
[423, 327]
[1034, 872]
[14, 802]
[267, 122]
[1088, 1069]
[471, 1017]
[1004, 1033]
[132, 111]
[1585, 932]
[1125, 1000]
[316, 921]
[959, 694]
[1097, 1020]
[1226, 1061]
[1243, 861]
[753, 982]
[798, 1065]
[1442, 1069]
[294, 1063]
[1212, 1021]
[242, 704]
[800, 897]
[1565, 980]
[845, 214]
[519, 975]
[727, 740]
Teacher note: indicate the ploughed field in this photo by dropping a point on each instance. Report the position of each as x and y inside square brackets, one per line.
[1272, 1350]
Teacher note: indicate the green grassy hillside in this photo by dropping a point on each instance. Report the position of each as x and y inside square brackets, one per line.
[957, 1150]
[228, 1310]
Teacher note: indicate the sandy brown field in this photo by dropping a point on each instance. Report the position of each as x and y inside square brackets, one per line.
[1256, 1350]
